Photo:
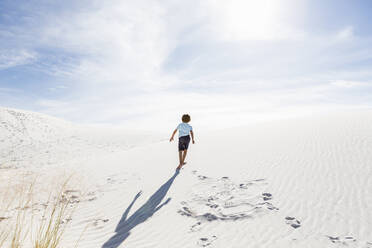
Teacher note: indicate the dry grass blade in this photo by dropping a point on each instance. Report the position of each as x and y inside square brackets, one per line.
[54, 222]
[18, 231]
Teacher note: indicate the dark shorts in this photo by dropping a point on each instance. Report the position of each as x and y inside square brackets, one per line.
[183, 143]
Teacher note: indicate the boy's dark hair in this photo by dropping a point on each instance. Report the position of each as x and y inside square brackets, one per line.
[186, 118]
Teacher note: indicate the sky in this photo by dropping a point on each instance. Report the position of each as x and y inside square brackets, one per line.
[143, 64]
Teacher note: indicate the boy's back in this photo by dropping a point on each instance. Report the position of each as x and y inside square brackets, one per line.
[184, 129]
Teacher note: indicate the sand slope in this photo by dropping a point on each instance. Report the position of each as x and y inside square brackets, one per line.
[289, 183]
[29, 139]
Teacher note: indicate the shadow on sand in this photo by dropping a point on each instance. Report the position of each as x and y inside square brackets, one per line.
[125, 224]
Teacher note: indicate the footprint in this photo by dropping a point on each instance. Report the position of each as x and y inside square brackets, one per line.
[204, 242]
[202, 177]
[243, 186]
[92, 198]
[71, 196]
[267, 196]
[270, 206]
[342, 240]
[99, 223]
[212, 205]
[293, 222]
[333, 239]
[186, 212]
[65, 221]
[196, 227]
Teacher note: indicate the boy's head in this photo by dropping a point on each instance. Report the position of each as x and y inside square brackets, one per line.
[186, 118]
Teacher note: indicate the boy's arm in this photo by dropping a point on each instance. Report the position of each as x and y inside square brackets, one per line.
[174, 132]
[192, 136]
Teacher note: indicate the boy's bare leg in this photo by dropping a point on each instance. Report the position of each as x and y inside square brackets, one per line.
[180, 157]
[184, 156]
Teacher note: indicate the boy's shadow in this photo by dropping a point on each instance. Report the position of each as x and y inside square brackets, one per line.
[141, 215]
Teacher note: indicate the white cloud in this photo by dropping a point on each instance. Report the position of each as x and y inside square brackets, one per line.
[150, 61]
[346, 33]
[349, 84]
[57, 88]
[11, 58]
[120, 41]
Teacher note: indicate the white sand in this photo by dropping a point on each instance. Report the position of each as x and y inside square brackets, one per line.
[290, 183]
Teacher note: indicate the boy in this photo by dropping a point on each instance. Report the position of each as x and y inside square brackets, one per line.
[184, 129]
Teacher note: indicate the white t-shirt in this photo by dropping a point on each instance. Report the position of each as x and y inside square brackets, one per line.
[183, 129]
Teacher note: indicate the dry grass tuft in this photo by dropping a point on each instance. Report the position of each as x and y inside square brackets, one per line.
[54, 221]
[14, 232]
[25, 222]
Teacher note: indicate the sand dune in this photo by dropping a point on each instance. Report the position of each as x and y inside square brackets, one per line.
[291, 183]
